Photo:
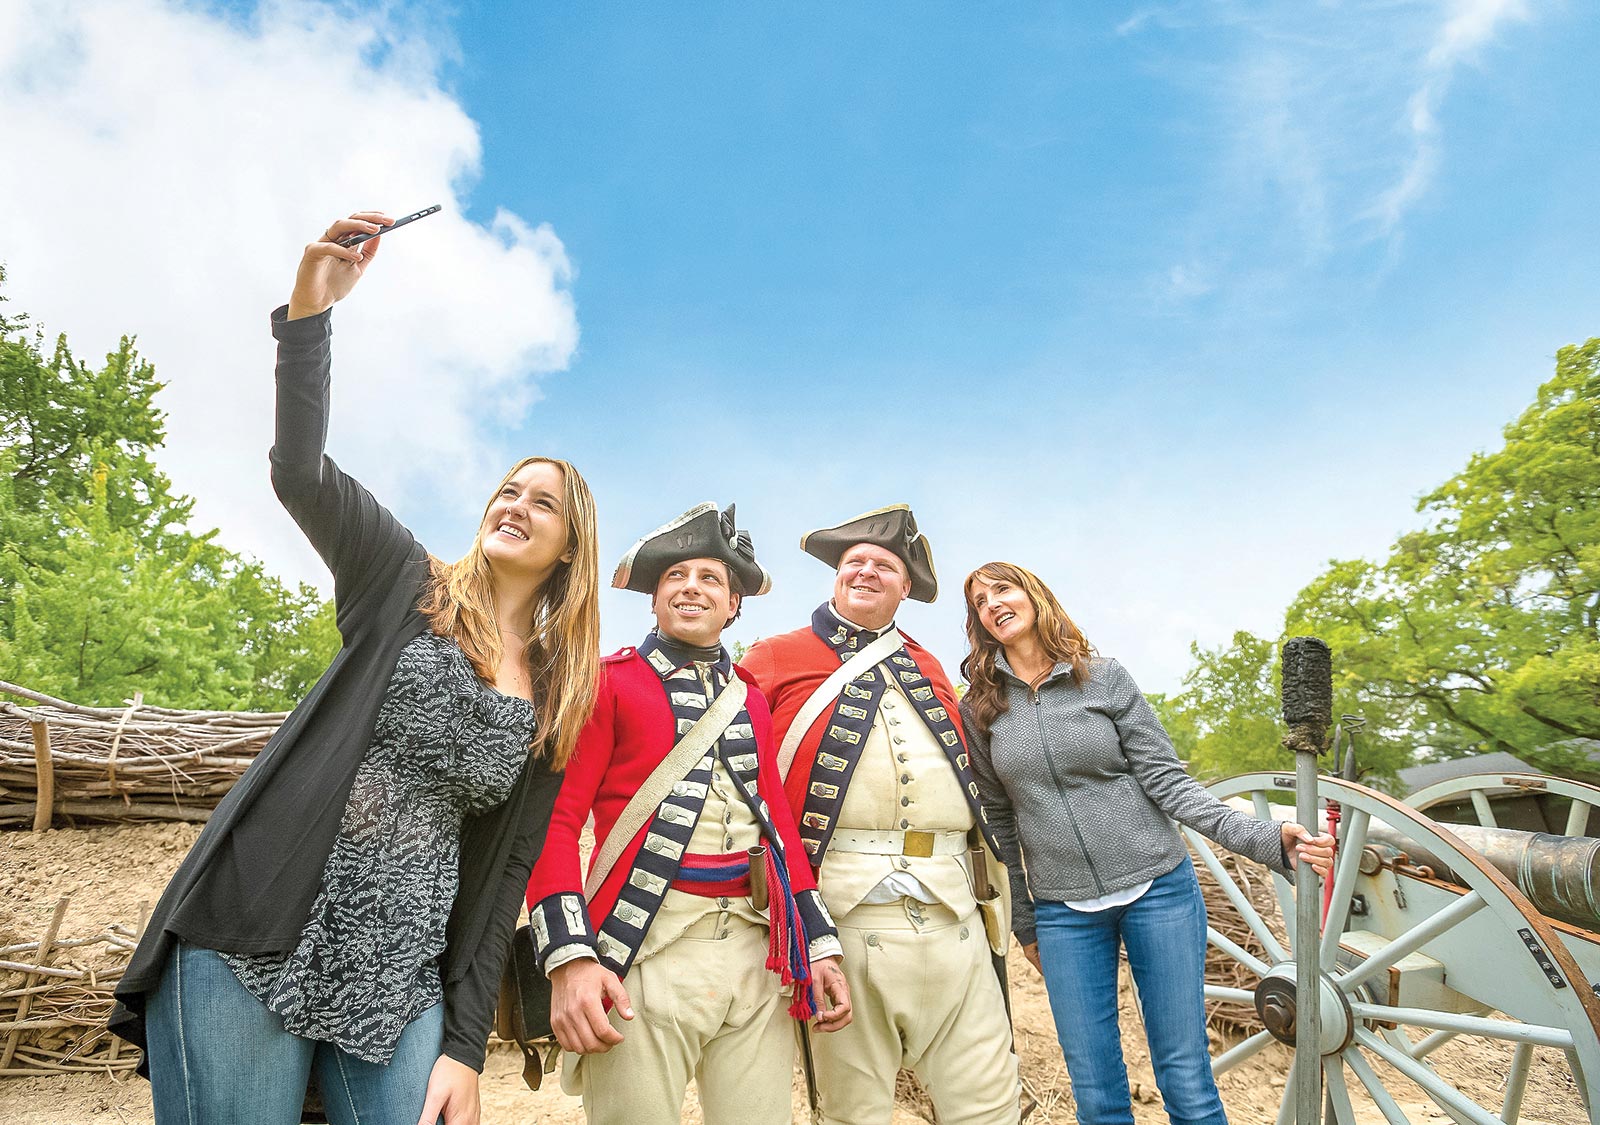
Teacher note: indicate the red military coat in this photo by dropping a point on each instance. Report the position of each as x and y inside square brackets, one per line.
[631, 731]
[789, 667]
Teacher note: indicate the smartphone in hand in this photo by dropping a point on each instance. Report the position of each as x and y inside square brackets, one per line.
[358, 239]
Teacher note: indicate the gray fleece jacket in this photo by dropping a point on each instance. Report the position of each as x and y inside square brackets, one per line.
[1082, 785]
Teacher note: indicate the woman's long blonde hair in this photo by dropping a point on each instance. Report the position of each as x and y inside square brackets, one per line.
[563, 648]
[1062, 640]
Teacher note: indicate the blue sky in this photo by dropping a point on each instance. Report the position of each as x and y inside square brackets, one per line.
[1171, 303]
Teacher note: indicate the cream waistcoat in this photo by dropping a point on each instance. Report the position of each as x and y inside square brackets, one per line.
[902, 781]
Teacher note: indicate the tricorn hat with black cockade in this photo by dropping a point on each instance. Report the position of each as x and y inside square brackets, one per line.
[895, 530]
[700, 533]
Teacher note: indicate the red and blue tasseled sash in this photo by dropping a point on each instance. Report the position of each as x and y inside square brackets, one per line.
[788, 954]
[714, 876]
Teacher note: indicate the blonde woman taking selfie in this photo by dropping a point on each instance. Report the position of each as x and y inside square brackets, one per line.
[346, 912]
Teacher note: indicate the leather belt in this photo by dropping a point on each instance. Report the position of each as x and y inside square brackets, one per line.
[892, 841]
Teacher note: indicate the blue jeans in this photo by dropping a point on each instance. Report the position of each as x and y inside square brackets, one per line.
[219, 1055]
[1165, 935]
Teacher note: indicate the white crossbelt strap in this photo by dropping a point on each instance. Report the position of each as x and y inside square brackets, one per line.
[658, 786]
[827, 694]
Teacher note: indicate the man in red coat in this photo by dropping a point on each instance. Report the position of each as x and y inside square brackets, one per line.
[699, 906]
[877, 773]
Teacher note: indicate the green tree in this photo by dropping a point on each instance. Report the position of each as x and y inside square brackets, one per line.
[1230, 714]
[1227, 711]
[289, 635]
[1178, 721]
[1479, 632]
[104, 590]
[104, 614]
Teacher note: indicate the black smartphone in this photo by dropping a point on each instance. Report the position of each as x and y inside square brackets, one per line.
[358, 239]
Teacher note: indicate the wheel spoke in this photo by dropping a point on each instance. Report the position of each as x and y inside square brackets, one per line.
[1280, 885]
[1428, 1044]
[1230, 995]
[1333, 1078]
[1397, 1038]
[1412, 940]
[1577, 1076]
[1240, 1051]
[1516, 1082]
[1447, 1097]
[1480, 805]
[1386, 1104]
[1344, 883]
[1237, 952]
[1511, 1032]
[1246, 909]
[1578, 818]
[1286, 1107]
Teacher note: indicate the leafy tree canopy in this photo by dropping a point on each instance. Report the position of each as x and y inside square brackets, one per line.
[1477, 632]
[104, 590]
[1228, 718]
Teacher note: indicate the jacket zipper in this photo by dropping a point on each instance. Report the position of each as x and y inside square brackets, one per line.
[1044, 744]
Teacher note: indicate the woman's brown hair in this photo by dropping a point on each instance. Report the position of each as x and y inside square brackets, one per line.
[1062, 640]
[563, 648]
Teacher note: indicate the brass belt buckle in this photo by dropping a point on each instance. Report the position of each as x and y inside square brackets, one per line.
[919, 844]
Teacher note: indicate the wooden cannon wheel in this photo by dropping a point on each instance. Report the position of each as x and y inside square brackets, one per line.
[1417, 963]
[1479, 787]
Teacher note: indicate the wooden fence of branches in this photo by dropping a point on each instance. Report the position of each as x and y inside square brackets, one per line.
[62, 761]
[55, 996]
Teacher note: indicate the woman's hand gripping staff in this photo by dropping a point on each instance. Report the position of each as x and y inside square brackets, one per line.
[1298, 844]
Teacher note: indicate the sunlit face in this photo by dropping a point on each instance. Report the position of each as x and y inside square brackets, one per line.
[693, 601]
[1003, 608]
[524, 533]
[870, 585]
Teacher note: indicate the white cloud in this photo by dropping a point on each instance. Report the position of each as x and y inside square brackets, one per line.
[1470, 25]
[1325, 121]
[164, 166]
[1187, 281]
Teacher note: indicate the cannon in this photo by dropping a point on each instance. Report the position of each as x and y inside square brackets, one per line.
[1428, 938]
[1481, 789]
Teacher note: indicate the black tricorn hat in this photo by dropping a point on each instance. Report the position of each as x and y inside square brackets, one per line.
[895, 530]
[700, 533]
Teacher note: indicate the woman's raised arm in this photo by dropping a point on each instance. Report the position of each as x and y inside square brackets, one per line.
[360, 541]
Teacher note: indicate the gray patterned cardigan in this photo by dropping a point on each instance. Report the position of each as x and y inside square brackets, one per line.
[1082, 785]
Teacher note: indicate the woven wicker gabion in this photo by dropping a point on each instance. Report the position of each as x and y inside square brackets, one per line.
[55, 997]
[114, 764]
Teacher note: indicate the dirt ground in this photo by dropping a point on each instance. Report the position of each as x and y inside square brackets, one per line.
[113, 874]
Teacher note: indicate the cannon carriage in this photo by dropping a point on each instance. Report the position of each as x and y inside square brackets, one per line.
[1432, 933]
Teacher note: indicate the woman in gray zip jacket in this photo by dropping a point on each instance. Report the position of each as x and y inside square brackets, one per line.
[1076, 772]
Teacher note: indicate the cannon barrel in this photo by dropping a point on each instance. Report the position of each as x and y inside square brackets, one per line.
[1559, 874]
